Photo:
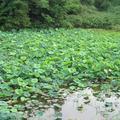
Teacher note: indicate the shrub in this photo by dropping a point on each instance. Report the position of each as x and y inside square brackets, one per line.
[102, 4]
[89, 2]
[73, 7]
[96, 20]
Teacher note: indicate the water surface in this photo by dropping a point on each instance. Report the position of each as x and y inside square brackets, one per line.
[84, 105]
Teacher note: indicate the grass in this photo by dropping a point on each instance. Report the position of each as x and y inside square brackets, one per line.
[35, 62]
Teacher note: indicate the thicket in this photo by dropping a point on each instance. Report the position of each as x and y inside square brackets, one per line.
[53, 13]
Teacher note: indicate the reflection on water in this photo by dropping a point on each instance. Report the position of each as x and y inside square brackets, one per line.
[82, 105]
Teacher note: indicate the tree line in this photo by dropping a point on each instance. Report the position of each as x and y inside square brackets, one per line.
[43, 13]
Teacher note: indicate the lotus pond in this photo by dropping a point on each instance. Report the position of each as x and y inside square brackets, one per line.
[40, 68]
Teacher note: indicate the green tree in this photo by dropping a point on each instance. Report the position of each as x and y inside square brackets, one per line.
[102, 4]
[57, 11]
[14, 14]
[38, 11]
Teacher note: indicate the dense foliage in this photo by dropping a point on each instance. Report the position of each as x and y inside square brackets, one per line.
[57, 13]
[36, 62]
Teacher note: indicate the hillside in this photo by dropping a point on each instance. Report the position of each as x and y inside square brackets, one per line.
[18, 14]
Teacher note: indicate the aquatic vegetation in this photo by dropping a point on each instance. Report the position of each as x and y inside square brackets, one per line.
[40, 63]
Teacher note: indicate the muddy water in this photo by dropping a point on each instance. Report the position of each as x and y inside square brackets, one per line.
[83, 105]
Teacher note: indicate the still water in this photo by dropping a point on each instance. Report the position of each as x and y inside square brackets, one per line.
[85, 105]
